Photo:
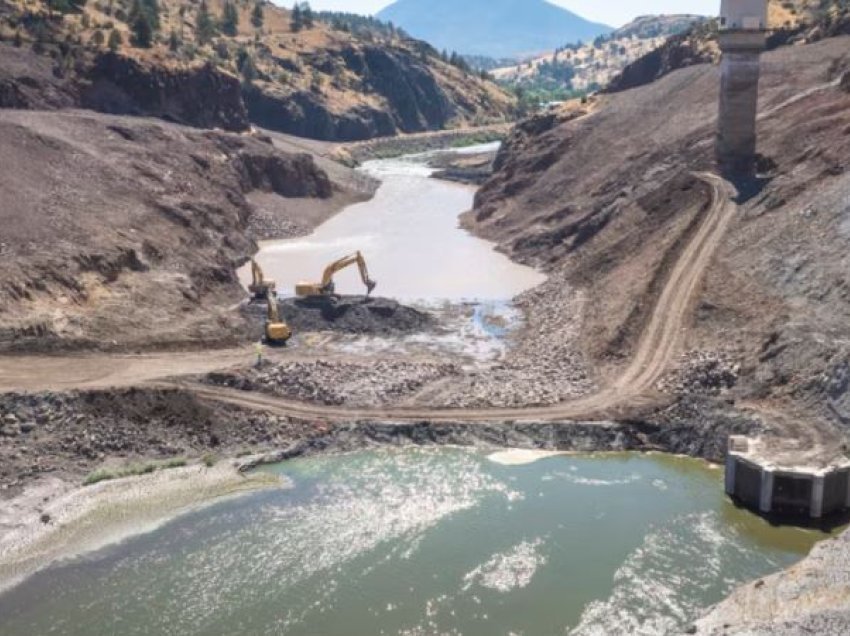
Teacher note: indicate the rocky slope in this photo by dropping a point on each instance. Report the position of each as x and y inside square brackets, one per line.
[604, 206]
[125, 231]
[813, 597]
[316, 80]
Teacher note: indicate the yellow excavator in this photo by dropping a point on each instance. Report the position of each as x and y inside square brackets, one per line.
[327, 288]
[260, 286]
[278, 332]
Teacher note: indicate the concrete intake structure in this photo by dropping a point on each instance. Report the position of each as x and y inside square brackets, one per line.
[769, 483]
[743, 37]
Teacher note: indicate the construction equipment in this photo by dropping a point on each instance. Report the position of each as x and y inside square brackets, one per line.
[260, 286]
[278, 332]
[326, 287]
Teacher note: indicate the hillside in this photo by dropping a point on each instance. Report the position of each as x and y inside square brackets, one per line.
[125, 231]
[493, 28]
[578, 68]
[795, 21]
[304, 77]
[604, 204]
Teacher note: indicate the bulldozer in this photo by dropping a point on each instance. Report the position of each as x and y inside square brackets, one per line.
[326, 288]
[277, 332]
[260, 286]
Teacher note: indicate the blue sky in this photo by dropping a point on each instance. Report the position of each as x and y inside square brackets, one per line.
[613, 12]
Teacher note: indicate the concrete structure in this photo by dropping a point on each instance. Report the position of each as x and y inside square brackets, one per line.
[765, 483]
[743, 35]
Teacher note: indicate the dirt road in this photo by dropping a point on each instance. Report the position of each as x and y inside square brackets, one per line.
[660, 341]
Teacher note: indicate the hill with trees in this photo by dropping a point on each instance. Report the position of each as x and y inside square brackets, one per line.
[495, 28]
[229, 63]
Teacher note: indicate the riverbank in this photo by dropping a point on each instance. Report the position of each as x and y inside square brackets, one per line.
[55, 520]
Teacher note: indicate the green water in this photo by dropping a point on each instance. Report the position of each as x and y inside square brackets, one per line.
[425, 541]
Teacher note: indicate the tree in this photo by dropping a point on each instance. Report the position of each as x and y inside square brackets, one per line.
[229, 19]
[307, 15]
[174, 40]
[115, 40]
[258, 16]
[205, 28]
[141, 26]
[296, 22]
[19, 40]
[98, 38]
[248, 70]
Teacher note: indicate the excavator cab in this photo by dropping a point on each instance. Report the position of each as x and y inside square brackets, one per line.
[327, 288]
[260, 286]
[277, 332]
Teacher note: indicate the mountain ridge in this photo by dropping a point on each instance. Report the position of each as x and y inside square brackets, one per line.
[498, 28]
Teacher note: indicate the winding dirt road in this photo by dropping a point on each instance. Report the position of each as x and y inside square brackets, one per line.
[659, 343]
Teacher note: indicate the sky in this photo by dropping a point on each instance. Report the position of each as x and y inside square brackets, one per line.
[612, 12]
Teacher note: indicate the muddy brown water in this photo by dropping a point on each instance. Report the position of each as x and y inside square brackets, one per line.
[410, 236]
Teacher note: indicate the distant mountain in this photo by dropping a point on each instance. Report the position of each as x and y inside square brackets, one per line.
[495, 28]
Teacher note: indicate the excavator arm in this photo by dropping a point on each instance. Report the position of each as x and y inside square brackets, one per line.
[277, 331]
[260, 286]
[326, 287]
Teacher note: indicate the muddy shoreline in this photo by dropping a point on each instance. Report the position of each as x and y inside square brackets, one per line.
[55, 517]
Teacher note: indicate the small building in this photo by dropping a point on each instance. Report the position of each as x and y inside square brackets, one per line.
[743, 15]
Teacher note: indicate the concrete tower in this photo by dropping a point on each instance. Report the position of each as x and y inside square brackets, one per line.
[743, 35]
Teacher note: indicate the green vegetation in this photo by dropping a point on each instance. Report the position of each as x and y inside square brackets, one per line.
[302, 17]
[144, 22]
[205, 27]
[210, 460]
[361, 25]
[229, 19]
[115, 40]
[258, 16]
[133, 470]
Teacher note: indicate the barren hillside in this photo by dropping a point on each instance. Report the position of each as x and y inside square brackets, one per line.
[125, 231]
[308, 78]
[605, 204]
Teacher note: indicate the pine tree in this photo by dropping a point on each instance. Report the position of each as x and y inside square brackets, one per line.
[297, 20]
[141, 25]
[258, 16]
[248, 70]
[205, 29]
[98, 38]
[229, 19]
[174, 40]
[115, 40]
[307, 15]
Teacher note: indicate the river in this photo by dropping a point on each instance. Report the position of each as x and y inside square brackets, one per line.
[425, 541]
[410, 237]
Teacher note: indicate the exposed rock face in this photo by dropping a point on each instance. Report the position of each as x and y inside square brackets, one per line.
[813, 597]
[410, 99]
[27, 81]
[678, 52]
[305, 115]
[201, 96]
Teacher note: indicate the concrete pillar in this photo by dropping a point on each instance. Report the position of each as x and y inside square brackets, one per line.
[816, 511]
[766, 496]
[731, 472]
[740, 69]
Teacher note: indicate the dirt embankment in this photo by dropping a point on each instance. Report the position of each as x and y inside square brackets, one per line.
[606, 206]
[124, 232]
[69, 435]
